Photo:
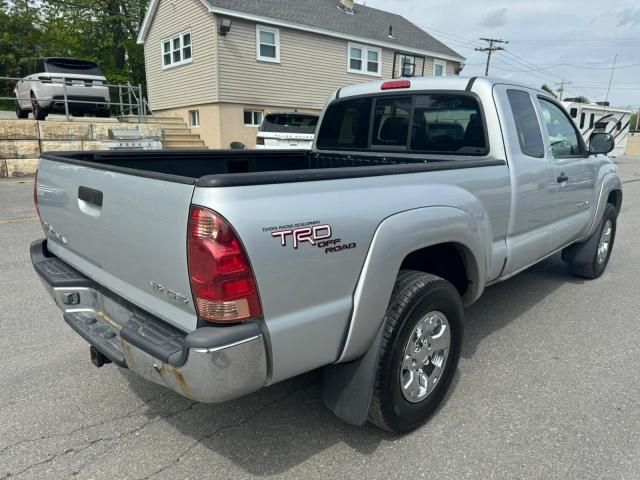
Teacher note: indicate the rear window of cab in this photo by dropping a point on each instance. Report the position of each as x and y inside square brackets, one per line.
[435, 123]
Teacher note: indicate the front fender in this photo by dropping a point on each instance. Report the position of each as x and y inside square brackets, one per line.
[610, 182]
[398, 236]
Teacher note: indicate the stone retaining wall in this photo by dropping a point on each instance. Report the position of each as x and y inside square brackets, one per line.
[22, 141]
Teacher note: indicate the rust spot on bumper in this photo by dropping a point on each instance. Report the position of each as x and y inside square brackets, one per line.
[175, 377]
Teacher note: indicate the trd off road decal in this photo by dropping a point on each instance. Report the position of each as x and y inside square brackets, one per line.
[314, 233]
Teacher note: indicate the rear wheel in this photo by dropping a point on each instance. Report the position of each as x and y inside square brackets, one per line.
[39, 113]
[104, 113]
[20, 113]
[419, 352]
[590, 259]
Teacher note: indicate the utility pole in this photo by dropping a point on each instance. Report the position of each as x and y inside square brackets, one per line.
[561, 88]
[490, 49]
[613, 69]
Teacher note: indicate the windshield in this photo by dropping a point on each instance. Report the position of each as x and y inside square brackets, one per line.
[289, 123]
[70, 65]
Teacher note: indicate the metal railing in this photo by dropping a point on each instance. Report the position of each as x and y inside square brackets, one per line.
[129, 97]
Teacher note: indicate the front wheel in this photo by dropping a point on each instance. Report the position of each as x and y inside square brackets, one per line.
[419, 353]
[590, 259]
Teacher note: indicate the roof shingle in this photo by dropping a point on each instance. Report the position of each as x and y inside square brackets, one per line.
[367, 22]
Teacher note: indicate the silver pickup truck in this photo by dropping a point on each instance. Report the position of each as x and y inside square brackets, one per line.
[218, 273]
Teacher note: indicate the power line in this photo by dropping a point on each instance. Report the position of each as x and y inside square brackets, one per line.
[490, 49]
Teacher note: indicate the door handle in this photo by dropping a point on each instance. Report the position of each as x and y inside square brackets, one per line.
[562, 178]
[91, 196]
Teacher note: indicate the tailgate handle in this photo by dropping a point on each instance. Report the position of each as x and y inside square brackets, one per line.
[90, 195]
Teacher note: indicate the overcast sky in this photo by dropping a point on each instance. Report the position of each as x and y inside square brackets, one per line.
[544, 36]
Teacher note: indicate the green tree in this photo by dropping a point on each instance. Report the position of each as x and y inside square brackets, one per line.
[548, 89]
[21, 39]
[103, 31]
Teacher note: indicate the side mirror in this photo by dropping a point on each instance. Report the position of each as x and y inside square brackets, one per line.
[601, 143]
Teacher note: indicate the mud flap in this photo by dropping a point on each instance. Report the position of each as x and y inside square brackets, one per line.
[348, 387]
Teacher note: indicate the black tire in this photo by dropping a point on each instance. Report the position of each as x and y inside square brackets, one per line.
[20, 113]
[103, 113]
[39, 113]
[414, 295]
[582, 258]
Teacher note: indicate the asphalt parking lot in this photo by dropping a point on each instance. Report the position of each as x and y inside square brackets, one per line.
[547, 388]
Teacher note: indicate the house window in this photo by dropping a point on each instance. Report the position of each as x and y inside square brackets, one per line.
[253, 118]
[176, 50]
[364, 60]
[407, 65]
[267, 44]
[194, 118]
[439, 68]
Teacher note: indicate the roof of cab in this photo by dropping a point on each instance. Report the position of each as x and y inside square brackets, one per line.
[424, 83]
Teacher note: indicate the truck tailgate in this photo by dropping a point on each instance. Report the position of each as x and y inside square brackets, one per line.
[128, 233]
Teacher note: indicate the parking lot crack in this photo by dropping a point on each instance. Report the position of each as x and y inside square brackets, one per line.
[222, 428]
[129, 414]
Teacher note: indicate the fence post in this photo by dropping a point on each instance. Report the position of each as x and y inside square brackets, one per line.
[120, 96]
[129, 97]
[66, 100]
[141, 111]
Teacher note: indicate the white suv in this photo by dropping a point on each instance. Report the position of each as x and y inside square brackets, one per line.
[287, 131]
[43, 91]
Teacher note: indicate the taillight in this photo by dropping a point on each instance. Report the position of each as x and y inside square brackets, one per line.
[260, 141]
[222, 281]
[393, 84]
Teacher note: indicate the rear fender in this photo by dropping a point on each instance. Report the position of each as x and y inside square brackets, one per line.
[348, 386]
[397, 237]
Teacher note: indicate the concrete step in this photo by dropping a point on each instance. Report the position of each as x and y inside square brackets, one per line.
[170, 126]
[185, 144]
[177, 131]
[187, 137]
[185, 147]
[166, 120]
[154, 119]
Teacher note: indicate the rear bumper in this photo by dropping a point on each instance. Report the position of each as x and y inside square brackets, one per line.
[210, 365]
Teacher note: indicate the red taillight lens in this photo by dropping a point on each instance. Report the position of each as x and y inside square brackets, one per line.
[393, 84]
[222, 281]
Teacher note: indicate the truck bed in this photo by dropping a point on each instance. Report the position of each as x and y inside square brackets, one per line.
[225, 168]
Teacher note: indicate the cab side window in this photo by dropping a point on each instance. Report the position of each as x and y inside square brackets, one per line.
[527, 126]
[563, 136]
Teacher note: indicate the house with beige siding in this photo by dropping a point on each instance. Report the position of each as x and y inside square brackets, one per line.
[222, 65]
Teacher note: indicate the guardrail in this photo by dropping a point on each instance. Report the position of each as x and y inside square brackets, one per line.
[129, 97]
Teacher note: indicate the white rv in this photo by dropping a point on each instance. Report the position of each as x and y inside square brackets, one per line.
[591, 117]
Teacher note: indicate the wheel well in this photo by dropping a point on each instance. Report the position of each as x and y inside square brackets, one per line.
[615, 199]
[446, 260]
